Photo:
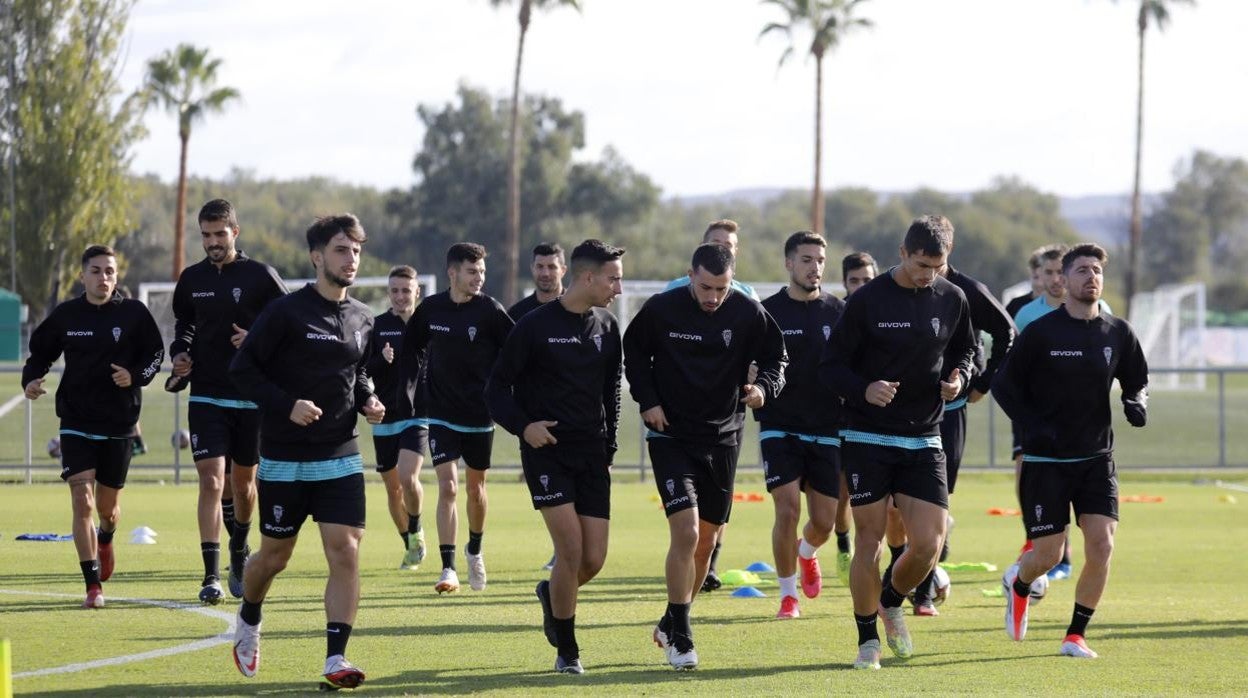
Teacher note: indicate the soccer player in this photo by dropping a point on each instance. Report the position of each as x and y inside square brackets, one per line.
[304, 364]
[857, 268]
[1037, 284]
[548, 269]
[460, 331]
[687, 356]
[402, 438]
[215, 302]
[556, 385]
[1056, 386]
[798, 431]
[723, 232]
[112, 349]
[902, 347]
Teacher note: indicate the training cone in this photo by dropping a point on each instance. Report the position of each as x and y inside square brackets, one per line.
[141, 539]
[738, 578]
[761, 567]
[748, 593]
[143, 531]
[1227, 499]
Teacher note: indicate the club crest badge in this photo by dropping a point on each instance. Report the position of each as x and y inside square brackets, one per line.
[598, 342]
[116, 334]
[827, 332]
[433, 447]
[472, 334]
[238, 293]
[765, 468]
[1039, 512]
[1109, 355]
[727, 335]
[277, 513]
[195, 441]
[359, 340]
[545, 480]
[936, 326]
[854, 479]
[671, 488]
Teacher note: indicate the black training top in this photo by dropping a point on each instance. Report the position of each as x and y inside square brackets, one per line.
[564, 367]
[460, 342]
[389, 328]
[524, 306]
[92, 338]
[1055, 384]
[913, 336]
[1016, 304]
[805, 406]
[305, 347]
[989, 317]
[695, 363]
[207, 302]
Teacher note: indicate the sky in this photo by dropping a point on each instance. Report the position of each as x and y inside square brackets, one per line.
[947, 94]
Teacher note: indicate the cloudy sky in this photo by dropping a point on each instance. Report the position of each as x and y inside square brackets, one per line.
[945, 94]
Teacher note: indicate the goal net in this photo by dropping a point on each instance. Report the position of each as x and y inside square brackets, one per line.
[1170, 322]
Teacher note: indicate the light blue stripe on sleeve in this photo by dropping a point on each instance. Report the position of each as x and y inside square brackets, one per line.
[956, 404]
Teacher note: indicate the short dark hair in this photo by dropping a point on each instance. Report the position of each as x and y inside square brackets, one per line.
[803, 237]
[1048, 253]
[219, 210]
[326, 227]
[930, 235]
[402, 271]
[1084, 249]
[545, 249]
[857, 260]
[715, 259]
[592, 254]
[724, 224]
[96, 251]
[465, 252]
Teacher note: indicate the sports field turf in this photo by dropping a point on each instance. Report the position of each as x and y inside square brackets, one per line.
[1174, 620]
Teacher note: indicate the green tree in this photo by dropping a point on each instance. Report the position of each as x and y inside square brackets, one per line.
[1157, 11]
[67, 136]
[511, 243]
[183, 80]
[826, 22]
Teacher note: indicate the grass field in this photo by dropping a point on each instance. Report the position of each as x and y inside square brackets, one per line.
[1173, 621]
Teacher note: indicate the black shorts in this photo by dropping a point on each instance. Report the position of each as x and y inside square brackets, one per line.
[873, 472]
[563, 476]
[108, 456]
[229, 432]
[284, 505]
[953, 440]
[814, 464]
[692, 475]
[1049, 490]
[414, 438]
[447, 445]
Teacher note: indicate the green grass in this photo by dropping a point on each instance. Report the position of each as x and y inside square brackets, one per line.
[1172, 622]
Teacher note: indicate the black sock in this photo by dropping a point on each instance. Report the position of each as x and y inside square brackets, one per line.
[715, 556]
[679, 613]
[1022, 588]
[890, 597]
[842, 541]
[926, 589]
[211, 553]
[1079, 620]
[90, 572]
[894, 552]
[227, 515]
[1065, 555]
[413, 523]
[336, 636]
[866, 628]
[104, 537]
[474, 543]
[565, 637]
[448, 556]
[238, 537]
[250, 612]
[404, 535]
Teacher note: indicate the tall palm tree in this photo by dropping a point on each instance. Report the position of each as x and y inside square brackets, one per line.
[183, 80]
[1159, 12]
[511, 240]
[826, 22]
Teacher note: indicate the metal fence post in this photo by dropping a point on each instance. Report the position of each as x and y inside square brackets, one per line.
[30, 428]
[992, 432]
[1221, 419]
[177, 439]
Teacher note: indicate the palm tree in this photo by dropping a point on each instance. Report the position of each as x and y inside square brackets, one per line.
[511, 240]
[827, 21]
[1159, 12]
[184, 81]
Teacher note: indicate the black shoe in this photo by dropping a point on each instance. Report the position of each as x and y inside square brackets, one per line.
[238, 560]
[944, 551]
[137, 447]
[711, 583]
[548, 613]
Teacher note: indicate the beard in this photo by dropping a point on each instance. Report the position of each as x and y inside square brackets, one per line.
[217, 254]
[339, 281]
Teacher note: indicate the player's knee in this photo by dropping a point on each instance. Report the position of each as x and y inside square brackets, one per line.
[1100, 551]
[823, 521]
[787, 515]
[448, 488]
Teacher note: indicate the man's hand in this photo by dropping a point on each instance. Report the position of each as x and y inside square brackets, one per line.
[304, 412]
[754, 396]
[239, 335]
[373, 410]
[752, 374]
[121, 377]
[537, 434]
[182, 364]
[387, 353]
[949, 389]
[880, 393]
[34, 389]
[974, 396]
[655, 419]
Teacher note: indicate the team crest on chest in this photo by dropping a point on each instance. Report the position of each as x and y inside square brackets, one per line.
[472, 334]
[359, 340]
[727, 335]
[116, 334]
[1109, 355]
[936, 326]
[827, 332]
[238, 293]
[598, 341]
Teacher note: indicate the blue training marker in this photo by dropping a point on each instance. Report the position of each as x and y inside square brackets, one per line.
[761, 566]
[748, 593]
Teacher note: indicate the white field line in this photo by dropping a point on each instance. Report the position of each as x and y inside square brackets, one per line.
[13, 402]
